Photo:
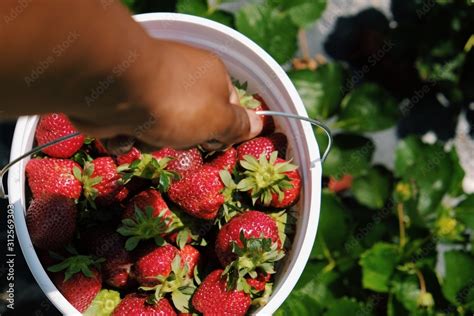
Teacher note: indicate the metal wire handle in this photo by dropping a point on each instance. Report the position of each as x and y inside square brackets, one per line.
[35, 150]
[313, 122]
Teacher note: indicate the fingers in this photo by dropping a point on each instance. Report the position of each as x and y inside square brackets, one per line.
[118, 145]
[240, 125]
[233, 95]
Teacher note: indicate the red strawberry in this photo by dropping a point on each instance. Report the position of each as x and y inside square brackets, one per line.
[156, 262]
[104, 242]
[99, 147]
[256, 103]
[263, 145]
[290, 195]
[253, 224]
[102, 183]
[271, 182]
[80, 290]
[183, 160]
[213, 298]
[225, 160]
[53, 126]
[146, 217]
[189, 256]
[258, 284]
[51, 221]
[51, 176]
[129, 157]
[150, 197]
[137, 304]
[199, 192]
[338, 185]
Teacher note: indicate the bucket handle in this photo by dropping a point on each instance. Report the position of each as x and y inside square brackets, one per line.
[313, 122]
[35, 150]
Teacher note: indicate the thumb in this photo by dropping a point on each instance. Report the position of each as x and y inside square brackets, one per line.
[118, 145]
[240, 125]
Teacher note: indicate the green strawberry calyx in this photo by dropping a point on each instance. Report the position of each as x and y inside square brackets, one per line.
[151, 168]
[75, 264]
[264, 177]
[232, 205]
[88, 182]
[247, 100]
[178, 283]
[144, 226]
[254, 256]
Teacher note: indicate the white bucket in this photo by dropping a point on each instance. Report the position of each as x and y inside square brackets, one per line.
[247, 62]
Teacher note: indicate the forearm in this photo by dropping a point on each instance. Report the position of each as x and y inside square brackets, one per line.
[66, 55]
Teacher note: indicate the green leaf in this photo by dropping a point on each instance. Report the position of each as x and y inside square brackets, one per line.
[465, 211]
[299, 305]
[332, 215]
[455, 187]
[351, 154]
[373, 188]
[430, 167]
[406, 290]
[377, 265]
[200, 8]
[304, 12]
[273, 30]
[314, 283]
[320, 89]
[346, 306]
[459, 277]
[368, 108]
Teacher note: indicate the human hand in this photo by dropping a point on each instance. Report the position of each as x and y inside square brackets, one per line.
[177, 96]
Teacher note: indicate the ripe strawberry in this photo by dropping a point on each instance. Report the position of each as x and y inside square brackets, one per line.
[263, 145]
[80, 290]
[199, 192]
[270, 182]
[154, 266]
[51, 221]
[102, 183]
[213, 298]
[256, 103]
[225, 160]
[189, 256]
[129, 157]
[150, 197]
[50, 176]
[183, 160]
[53, 126]
[258, 284]
[80, 282]
[138, 304]
[146, 216]
[338, 185]
[104, 242]
[252, 224]
[99, 147]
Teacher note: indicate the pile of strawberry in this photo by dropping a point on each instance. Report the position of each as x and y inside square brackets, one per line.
[168, 232]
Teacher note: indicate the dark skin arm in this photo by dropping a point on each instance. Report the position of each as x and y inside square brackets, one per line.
[90, 60]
